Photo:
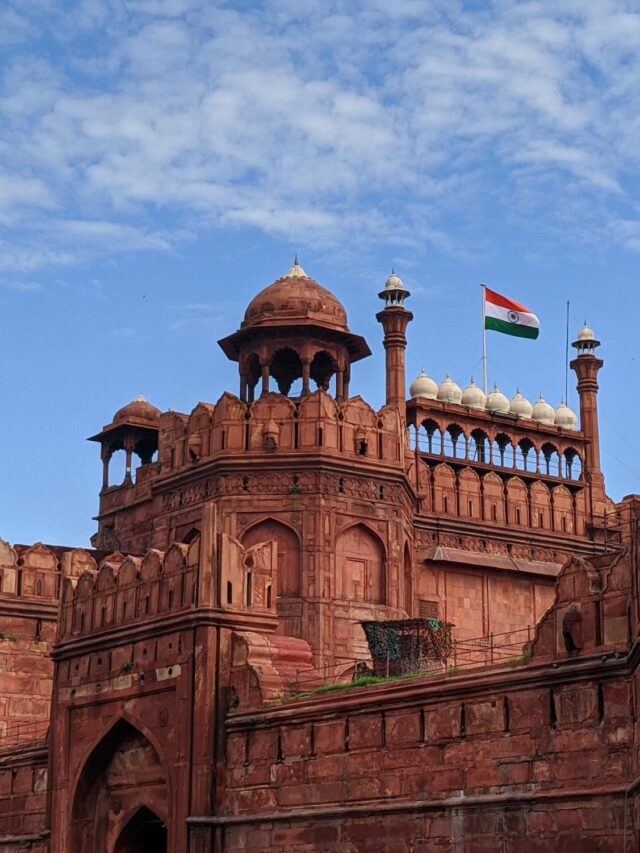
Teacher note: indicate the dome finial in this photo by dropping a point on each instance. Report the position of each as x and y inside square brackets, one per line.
[296, 270]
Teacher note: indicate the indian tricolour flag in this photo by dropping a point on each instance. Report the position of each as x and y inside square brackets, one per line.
[505, 315]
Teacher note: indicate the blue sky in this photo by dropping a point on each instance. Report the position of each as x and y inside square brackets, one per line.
[162, 160]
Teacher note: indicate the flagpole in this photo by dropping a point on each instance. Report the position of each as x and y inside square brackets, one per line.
[484, 338]
[566, 361]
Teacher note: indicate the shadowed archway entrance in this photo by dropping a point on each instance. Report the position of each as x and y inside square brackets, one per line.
[124, 775]
[144, 833]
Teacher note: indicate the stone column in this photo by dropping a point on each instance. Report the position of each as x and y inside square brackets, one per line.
[265, 377]
[395, 319]
[306, 376]
[106, 455]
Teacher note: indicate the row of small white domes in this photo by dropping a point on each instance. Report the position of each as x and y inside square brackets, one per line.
[495, 402]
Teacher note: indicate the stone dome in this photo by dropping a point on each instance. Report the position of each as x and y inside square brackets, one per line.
[565, 417]
[139, 409]
[473, 396]
[543, 412]
[424, 386]
[520, 406]
[394, 282]
[295, 298]
[497, 401]
[448, 391]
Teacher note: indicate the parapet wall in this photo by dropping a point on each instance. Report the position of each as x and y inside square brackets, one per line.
[274, 422]
[504, 762]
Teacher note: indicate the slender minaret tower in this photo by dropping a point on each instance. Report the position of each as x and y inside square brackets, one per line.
[395, 319]
[586, 366]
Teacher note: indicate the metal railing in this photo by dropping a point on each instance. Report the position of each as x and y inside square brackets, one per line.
[506, 647]
[22, 732]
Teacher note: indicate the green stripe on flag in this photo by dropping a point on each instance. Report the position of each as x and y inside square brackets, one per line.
[511, 328]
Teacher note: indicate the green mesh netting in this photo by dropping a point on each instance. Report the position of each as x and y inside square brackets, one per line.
[402, 646]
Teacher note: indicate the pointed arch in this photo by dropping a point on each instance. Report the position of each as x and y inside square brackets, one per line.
[287, 539]
[540, 500]
[470, 495]
[493, 496]
[444, 486]
[361, 565]
[517, 502]
[143, 832]
[125, 761]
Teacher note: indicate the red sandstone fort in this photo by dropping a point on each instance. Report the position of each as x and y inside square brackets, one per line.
[200, 680]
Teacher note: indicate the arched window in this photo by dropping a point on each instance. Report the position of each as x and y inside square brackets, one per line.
[572, 464]
[479, 446]
[434, 437]
[453, 444]
[550, 460]
[525, 455]
[285, 368]
[322, 370]
[504, 453]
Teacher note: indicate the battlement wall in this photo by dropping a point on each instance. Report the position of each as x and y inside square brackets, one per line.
[275, 422]
[30, 581]
[124, 590]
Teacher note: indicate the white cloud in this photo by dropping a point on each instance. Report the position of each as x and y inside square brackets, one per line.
[310, 119]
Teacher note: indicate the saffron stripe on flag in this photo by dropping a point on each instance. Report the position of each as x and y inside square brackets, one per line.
[503, 302]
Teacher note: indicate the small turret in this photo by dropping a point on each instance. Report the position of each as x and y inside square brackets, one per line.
[395, 318]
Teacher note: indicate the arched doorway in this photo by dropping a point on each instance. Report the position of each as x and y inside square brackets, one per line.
[289, 602]
[144, 833]
[123, 772]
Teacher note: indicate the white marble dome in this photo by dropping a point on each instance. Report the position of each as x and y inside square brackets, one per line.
[424, 386]
[543, 412]
[449, 391]
[473, 396]
[565, 417]
[394, 282]
[586, 334]
[520, 406]
[497, 401]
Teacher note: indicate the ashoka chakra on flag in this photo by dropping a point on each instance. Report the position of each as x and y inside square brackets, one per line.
[506, 315]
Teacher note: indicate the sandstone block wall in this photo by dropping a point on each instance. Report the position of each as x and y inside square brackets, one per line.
[489, 765]
[23, 800]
